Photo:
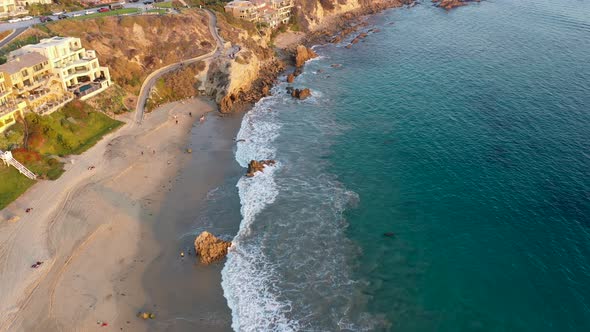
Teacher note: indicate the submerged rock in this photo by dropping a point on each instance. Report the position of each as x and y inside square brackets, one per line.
[258, 166]
[210, 248]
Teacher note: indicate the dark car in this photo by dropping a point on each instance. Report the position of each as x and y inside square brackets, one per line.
[103, 10]
[148, 2]
[44, 19]
[62, 16]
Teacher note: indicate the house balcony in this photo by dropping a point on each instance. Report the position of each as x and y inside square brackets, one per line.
[52, 106]
[8, 108]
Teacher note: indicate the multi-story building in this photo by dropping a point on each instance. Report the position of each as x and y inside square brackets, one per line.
[43, 77]
[77, 68]
[7, 7]
[284, 8]
[245, 10]
[10, 109]
[17, 7]
[29, 81]
[271, 12]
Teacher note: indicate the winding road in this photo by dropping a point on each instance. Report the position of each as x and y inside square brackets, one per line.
[150, 81]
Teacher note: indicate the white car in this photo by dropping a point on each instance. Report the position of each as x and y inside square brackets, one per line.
[88, 12]
[15, 20]
[76, 14]
[27, 18]
[58, 13]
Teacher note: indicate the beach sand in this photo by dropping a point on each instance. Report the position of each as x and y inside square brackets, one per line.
[107, 237]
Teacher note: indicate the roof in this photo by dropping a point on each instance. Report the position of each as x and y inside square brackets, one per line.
[54, 41]
[26, 60]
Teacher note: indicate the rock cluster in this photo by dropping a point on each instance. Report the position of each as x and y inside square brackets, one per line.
[210, 248]
[258, 166]
[299, 93]
[303, 54]
[450, 4]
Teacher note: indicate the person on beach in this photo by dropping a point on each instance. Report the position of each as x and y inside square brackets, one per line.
[202, 118]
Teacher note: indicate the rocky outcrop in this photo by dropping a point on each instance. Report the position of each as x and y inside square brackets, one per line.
[450, 4]
[300, 94]
[210, 248]
[291, 78]
[252, 92]
[303, 54]
[258, 166]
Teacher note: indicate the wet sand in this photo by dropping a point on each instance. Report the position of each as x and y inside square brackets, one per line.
[185, 294]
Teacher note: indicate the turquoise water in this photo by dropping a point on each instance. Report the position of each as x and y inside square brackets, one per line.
[465, 133]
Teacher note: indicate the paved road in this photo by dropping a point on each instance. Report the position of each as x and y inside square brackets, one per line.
[25, 24]
[10, 37]
[149, 82]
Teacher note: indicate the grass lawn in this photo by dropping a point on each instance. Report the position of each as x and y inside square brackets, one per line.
[13, 184]
[109, 13]
[163, 4]
[159, 11]
[71, 130]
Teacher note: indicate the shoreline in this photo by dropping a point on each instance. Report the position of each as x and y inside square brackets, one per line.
[68, 232]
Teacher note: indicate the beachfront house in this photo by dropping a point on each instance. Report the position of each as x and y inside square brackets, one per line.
[78, 69]
[18, 7]
[43, 77]
[270, 12]
[10, 110]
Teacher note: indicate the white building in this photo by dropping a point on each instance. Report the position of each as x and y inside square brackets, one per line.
[77, 68]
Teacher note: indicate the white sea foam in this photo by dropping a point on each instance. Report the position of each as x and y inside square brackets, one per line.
[247, 277]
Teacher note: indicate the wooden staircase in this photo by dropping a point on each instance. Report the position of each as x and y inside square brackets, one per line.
[9, 160]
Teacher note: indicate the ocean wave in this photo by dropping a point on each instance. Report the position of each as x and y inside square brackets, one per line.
[247, 277]
[289, 266]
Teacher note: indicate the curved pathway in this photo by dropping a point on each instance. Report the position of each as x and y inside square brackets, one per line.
[150, 81]
[11, 36]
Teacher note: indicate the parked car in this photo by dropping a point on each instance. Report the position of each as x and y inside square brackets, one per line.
[103, 10]
[76, 14]
[88, 12]
[58, 13]
[148, 2]
[62, 16]
[133, 0]
[27, 18]
[15, 20]
[158, 0]
[44, 19]
[116, 6]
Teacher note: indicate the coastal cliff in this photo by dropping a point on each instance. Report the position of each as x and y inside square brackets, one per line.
[247, 71]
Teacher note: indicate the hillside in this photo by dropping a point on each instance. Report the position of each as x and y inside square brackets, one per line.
[134, 46]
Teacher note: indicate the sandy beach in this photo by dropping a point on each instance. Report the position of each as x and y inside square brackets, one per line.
[93, 229]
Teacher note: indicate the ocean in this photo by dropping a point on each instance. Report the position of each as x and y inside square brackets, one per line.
[466, 134]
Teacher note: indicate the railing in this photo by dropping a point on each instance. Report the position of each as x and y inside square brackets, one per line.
[8, 159]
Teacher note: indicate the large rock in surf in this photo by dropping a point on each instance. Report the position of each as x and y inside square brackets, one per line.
[210, 248]
[291, 78]
[303, 54]
[258, 166]
[299, 93]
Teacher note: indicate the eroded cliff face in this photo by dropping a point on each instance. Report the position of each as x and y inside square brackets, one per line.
[314, 15]
[247, 70]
